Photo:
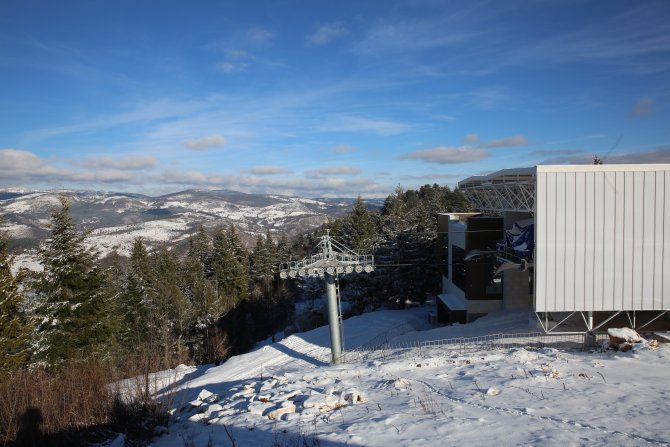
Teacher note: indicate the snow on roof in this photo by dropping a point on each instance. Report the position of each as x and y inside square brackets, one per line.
[502, 176]
[453, 302]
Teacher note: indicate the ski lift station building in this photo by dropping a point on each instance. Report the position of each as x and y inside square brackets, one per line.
[581, 245]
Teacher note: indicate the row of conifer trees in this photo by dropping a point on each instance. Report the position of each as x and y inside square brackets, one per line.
[214, 301]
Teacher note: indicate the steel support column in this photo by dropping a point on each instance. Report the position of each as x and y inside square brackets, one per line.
[333, 319]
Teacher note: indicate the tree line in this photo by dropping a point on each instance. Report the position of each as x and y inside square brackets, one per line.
[216, 300]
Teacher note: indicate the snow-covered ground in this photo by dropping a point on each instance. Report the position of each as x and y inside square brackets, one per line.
[287, 394]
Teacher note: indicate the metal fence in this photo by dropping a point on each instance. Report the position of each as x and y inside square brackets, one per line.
[380, 348]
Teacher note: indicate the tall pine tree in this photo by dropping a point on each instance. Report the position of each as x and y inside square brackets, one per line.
[230, 266]
[73, 317]
[133, 299]
[169, 312]
[14, 331]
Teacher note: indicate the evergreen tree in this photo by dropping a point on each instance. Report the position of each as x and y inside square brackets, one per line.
[14, 330]
[73, 319]
[200, 247]
[202, 292]
[230, 266]
[114, 284]
[264, 262]
[134, 297]
[169, 313]
[360, 228]
[197, 285]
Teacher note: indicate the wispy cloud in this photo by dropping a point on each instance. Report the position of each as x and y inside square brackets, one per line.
[513, 141]
[269, 170]
[147, 112]
[659, 155]
[231, 67]
[133, 163]
[14, 162]
[21, 167]
[357, 124]
[306, 187]
[432, 176]
[207, 142]
[410, 35]
[640, 45]
[344, 149]
[446, 155]
[259, 35]
[332, 171]
[643, 107]
[471, 138]
[556, 152]
[327, 33]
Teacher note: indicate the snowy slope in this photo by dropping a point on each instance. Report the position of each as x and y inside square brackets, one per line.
[435, 397]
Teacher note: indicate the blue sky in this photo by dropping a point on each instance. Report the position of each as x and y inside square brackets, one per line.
[318, 98]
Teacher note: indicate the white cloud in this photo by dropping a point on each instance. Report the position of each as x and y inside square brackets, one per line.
[660, 155]
[269, 170]
[306, 187]
[407, 36]
[446, 155]
[19, 161]
[332, 171]
[513, 141]
[357, 124]
[229, 67]
[547, 152]
[260, 35]
[345, 149]
[643, 107]
[22, 167]
[327, 33]
[207, 142]
[159, 110]
[138, 162]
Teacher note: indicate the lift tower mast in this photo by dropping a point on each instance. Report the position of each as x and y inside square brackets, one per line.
[328, 260]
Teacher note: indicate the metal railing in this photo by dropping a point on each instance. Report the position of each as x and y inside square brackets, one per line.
[380, 348]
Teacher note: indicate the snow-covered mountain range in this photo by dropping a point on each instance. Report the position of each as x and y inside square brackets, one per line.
[116, 219]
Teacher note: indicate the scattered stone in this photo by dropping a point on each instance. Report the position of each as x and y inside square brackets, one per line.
[246, 391]
[268, 385]
[626, 346]
[622, 339]
[277, 413]
[354, 397]
[401, 384]
[204, 394]
[493, 391]
[259, 408]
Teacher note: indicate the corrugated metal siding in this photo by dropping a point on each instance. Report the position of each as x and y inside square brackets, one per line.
[602, 238]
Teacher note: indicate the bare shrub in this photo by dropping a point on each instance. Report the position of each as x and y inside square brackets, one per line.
[42, 407]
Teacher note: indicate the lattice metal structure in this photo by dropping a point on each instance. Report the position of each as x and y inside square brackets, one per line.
[328, 260]
[505, 190]
[329, 257]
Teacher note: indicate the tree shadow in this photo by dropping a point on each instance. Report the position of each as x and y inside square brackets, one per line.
[298, 355]
[30, 433]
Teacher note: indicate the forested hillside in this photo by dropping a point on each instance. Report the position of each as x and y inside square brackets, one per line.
[155, 309]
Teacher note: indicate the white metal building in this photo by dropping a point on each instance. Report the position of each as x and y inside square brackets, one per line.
[602, 236]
